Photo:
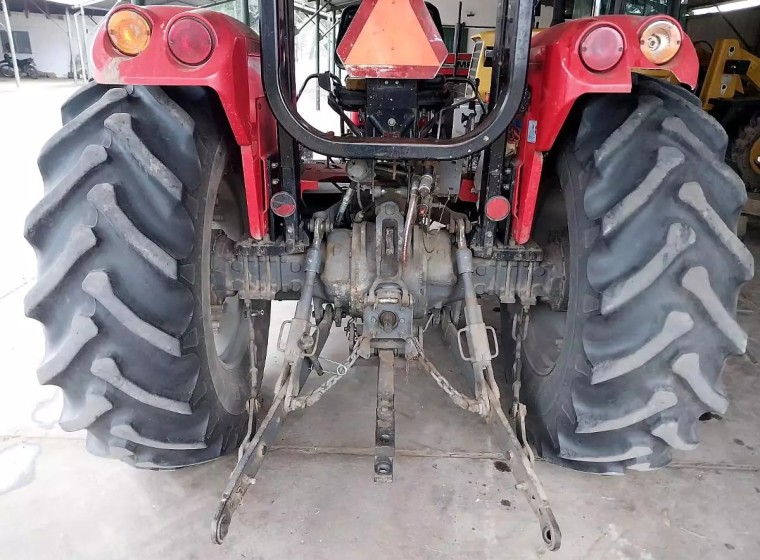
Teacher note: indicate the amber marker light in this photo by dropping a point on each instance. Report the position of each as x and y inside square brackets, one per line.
[129, 32]
[660, 41]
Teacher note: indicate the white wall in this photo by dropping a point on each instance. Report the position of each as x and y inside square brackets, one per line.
[49, 41]
[483, 13]
[712, 27]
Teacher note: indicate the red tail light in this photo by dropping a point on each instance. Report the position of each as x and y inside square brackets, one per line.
[283, 204]
[497, 208]
[190, 41]
[601, 48]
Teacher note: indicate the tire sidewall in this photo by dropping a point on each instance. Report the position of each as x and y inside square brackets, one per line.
[572, 357]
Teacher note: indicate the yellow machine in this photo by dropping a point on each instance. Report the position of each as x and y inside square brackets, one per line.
[480, 65]
[731, 93]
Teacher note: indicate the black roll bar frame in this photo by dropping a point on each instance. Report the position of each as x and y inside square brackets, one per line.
[510, 64]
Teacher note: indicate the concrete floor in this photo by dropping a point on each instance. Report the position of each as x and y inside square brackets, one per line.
[57, 501]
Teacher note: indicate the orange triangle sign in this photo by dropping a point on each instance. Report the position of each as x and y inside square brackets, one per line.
[392, 39]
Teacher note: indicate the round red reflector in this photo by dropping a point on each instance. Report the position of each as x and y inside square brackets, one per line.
[283, 204]
[190, 41]
[497, 208]
[601, 48]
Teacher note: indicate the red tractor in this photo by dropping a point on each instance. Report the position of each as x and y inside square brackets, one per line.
[589, 194]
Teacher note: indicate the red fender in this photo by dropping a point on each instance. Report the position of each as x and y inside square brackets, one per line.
[233, 71]
[557, 78]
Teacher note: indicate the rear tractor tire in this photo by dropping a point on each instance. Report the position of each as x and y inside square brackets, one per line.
[138, 185]
[648, 212]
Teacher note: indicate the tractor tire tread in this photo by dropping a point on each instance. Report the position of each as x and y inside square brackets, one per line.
[659, 277]
[112, 231]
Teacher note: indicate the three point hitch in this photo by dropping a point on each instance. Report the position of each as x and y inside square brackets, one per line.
[301, 347]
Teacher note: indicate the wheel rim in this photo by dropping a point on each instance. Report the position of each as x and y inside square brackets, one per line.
[228, 323]
[544, 338]
[545, 333]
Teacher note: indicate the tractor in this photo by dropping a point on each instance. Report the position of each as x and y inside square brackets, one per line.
[588, 193]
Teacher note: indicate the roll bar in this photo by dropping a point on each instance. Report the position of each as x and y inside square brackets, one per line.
[510, 64]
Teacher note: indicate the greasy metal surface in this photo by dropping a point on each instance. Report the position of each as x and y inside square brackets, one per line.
[351, 268]
[248, 465]
[385, 418]
[527, 479]
[301, 342]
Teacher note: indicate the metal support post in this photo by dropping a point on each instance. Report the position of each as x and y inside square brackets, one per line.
[79, 47]
[11, 42]
[334, 33]
[71, 48]
[317, 14]
[246, 12]
[316, 55]
[457, 38]
[85, 58]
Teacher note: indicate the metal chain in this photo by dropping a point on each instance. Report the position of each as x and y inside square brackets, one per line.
[519, 327]
[459, 398]
[254, 403]
[312, 398]
[519, 410]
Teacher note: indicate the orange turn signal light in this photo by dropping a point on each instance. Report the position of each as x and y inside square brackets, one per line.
[660, 41]
[129, 32]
